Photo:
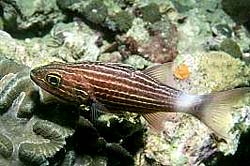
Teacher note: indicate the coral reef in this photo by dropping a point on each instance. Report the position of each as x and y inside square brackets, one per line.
[122, 21]
[209, 72]
[205, 39]
[78, 42]
[15, 83]
[30, 17]
[67, 42]
[186, 141]
[44, 135]
[96, 11]
[151, 13]
[231, 47]
[159, 44]
[24, 137]
[238, 11]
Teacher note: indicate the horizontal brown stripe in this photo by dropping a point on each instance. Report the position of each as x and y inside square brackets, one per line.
[114, 85]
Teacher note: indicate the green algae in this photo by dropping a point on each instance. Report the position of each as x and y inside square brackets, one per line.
[1, 23]
[151, 13]
[138, 31]
[96, 11]
[30, 18]
[231, 47]
[123, 20]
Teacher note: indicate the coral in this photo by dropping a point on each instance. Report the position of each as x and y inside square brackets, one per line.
[25, 139]
[151, 13]
[67, 4]
[15, 83]
[41, 137]
[138, 31]
[218, 65]
[68, 42]
[161, 46]
[213, 71]
[76, 42]
[96, 11]
[30, 16]
[33, 123]
[137, 62]
[231, 47]
[69, 159]
[123, 21]
[38, 153]
[187, 141]
[6, 146]
[99, 137]
[27, 52]
[222, 30]
[114, 57]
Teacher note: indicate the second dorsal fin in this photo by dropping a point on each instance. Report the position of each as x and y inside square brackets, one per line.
[162, 73]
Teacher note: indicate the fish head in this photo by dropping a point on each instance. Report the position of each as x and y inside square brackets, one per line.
[61, 81]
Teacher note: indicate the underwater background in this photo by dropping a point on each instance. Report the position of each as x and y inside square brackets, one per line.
[208, 42]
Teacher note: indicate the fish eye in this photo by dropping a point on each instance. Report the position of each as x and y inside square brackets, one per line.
[53, 79]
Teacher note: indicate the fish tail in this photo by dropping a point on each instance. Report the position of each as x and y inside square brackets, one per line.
[215, 110]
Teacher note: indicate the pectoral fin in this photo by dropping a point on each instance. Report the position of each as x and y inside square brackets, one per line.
[96, 110]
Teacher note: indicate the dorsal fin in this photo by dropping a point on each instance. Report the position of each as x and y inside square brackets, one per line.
[122, 65]
[162, 73]
[57, 63]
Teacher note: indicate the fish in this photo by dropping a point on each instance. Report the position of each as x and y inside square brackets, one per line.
[114, 87]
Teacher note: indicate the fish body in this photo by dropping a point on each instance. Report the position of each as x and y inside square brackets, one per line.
[118, 87]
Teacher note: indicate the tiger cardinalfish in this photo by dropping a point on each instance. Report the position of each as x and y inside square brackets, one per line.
[116, 87]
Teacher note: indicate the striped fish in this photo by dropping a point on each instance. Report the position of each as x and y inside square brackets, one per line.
[117, 87]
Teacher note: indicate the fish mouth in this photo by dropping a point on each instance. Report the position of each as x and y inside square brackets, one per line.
[33, 75]
[36, 75]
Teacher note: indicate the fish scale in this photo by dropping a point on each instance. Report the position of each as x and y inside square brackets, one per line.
[119, 86]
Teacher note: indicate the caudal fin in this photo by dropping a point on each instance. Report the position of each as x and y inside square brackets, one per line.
[216, 110]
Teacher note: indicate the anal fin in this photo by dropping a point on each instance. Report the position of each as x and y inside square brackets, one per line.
[157, 120]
